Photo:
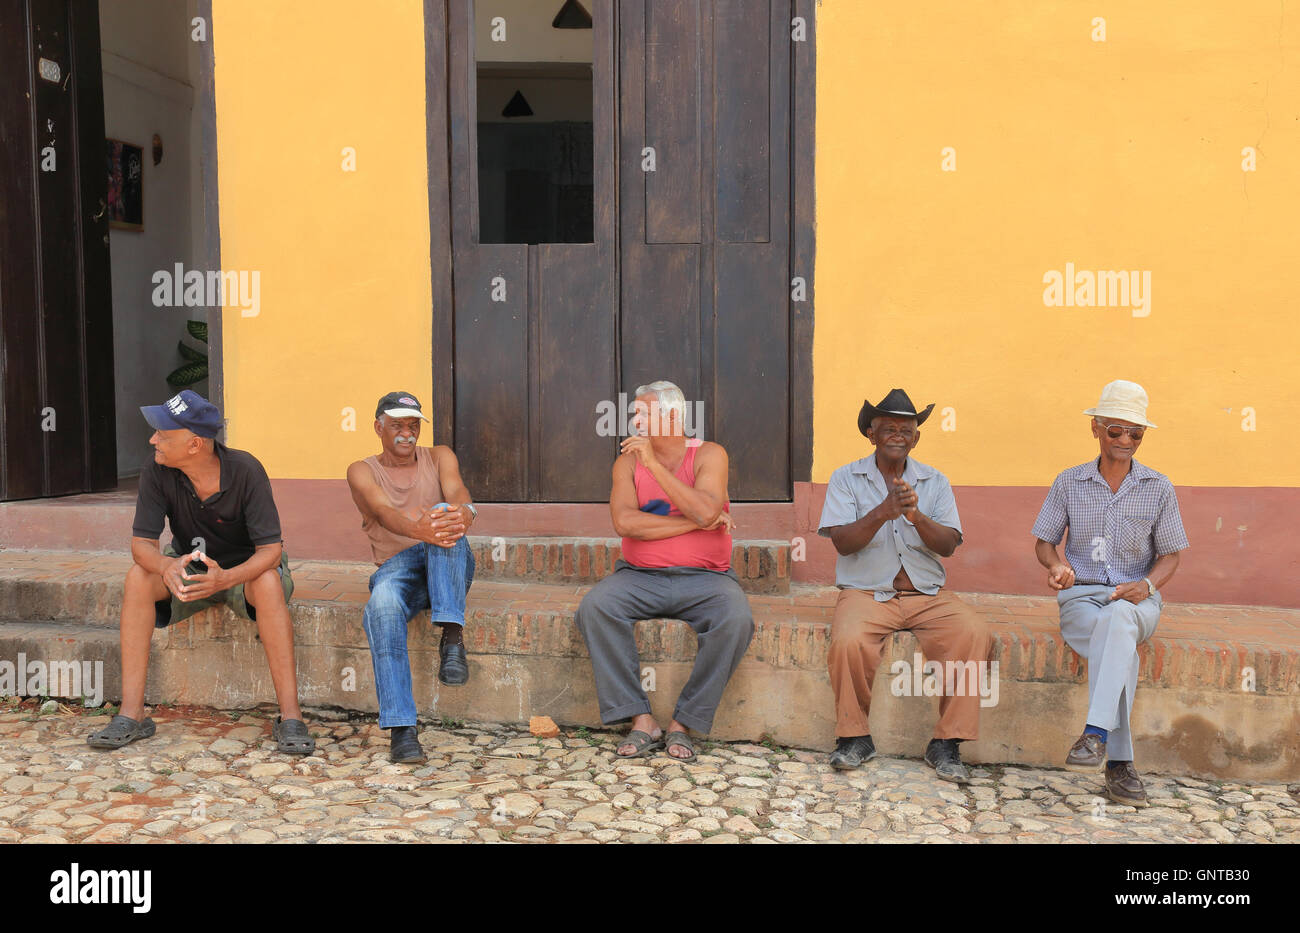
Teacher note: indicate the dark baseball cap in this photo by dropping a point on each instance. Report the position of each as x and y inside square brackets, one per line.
[399, 405]
[186, 409]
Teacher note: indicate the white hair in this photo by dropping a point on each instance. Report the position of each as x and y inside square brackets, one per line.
[669, 397]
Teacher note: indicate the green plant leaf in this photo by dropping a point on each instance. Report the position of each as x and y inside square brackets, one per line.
[187, 375]
[190, 354]
[198, 330]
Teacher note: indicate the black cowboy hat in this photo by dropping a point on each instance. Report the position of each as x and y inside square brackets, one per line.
[895, 403]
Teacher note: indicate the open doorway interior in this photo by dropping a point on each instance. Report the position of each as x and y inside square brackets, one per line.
[534, 120]
[151, 53]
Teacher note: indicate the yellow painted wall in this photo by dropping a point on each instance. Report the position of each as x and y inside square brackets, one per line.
[1123, 154]
[344, 256]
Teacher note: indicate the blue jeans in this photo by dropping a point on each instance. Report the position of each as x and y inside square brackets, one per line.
[424, 576]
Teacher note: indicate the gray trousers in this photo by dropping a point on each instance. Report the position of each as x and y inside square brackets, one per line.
[712, 603]
[1106, 635]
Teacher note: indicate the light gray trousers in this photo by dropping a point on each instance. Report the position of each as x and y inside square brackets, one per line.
[712, 603]
[1106, 634]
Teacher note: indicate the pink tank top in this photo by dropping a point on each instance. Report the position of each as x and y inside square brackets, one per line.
[699, 548]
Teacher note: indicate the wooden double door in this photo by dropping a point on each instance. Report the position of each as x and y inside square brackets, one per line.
[57, 429]
[688, 276]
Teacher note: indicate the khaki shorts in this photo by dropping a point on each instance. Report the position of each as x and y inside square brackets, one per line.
[167, 611]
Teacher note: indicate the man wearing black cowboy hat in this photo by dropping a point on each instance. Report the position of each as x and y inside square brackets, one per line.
[891, 518]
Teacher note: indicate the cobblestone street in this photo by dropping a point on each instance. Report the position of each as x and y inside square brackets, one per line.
[211, 776]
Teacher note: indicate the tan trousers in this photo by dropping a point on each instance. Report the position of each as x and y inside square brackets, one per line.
[948, 630]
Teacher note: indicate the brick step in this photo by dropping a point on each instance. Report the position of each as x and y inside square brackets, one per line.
[526, 658]
[791, 632]
[762, 566]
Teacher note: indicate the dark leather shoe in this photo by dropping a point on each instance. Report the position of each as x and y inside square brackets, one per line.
[1087, 754]
[943, 756]
[404, 745]
[454, 669]
[852, 751]
[1124, 786]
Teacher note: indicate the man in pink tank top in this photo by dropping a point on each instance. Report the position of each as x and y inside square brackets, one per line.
[669, 502]
[416, 511]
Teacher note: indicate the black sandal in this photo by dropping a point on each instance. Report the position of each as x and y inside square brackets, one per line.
[292, 737]
[642, 744]
[682, 740]
[122, 730]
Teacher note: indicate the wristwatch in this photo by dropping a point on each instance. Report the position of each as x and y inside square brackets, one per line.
[1151, 587]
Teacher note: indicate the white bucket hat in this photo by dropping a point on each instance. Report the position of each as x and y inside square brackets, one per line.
[1124, 400]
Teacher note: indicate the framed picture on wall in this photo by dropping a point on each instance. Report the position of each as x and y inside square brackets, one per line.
[125, 185]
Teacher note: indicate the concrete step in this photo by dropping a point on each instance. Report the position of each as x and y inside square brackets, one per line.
[762, 566]
[65, 660]
[1208, 705]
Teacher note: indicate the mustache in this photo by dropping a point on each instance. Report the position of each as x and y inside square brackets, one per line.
[404, 440]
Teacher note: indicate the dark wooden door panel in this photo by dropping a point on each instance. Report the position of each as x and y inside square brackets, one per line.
[59, 244]
[752, 353]
[530, 371]
[92, 221]
[492, 371]
[56, 342]
[742, 73]
[707, 85]
[672, 63]
[23, 452]
[660, 318]
[692, 285]
[575, 364]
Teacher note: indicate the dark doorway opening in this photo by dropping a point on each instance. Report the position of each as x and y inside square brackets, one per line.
[535, 141]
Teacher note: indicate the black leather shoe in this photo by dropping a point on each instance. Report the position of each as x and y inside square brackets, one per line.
[454, 669]
[943, 756]
[851, 751]
[404, 745]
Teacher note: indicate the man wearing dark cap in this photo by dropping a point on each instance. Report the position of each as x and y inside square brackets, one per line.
[892, 518]
[416, 511]
[218, 503]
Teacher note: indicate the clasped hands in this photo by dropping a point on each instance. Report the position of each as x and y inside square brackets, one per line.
[443, 524]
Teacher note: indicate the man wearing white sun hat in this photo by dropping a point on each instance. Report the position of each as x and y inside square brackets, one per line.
[1125, 535]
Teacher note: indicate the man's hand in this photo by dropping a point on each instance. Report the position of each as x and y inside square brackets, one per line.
[1134, 592]
[200, 585]
[173, 571]
[640, 446]
[900, 501]
[723, 521]
[907, 498]
[446, 525]
[1060, 576]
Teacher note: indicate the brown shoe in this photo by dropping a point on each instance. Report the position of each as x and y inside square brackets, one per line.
[1124, 786]
[1087, 754]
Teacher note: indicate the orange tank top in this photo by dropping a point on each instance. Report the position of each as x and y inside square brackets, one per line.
[422, 492]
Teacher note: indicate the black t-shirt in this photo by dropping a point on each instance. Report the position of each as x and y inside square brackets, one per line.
[231, 523]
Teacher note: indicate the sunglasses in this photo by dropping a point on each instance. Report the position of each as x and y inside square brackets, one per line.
[1115, 430]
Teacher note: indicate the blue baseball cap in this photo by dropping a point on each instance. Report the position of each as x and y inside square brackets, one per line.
[185, 410]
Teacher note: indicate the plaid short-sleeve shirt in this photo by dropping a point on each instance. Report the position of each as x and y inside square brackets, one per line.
[1114, 537]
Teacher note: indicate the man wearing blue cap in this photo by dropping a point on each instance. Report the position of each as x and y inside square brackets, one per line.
[219, 505]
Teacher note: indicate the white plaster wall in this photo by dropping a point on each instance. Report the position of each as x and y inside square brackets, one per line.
[147, 63]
